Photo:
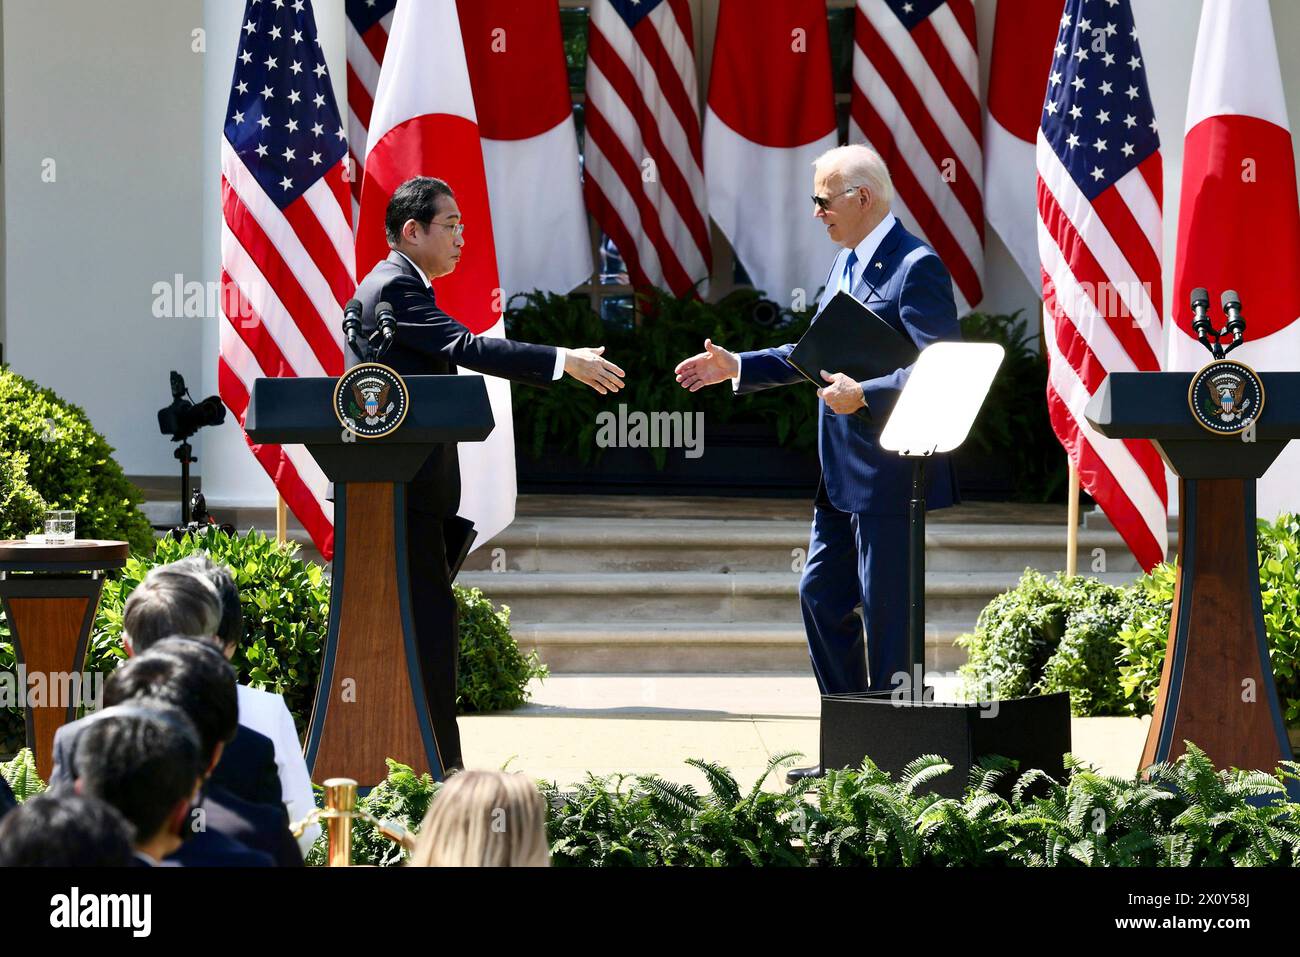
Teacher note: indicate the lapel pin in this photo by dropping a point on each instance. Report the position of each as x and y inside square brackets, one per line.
[877, 264]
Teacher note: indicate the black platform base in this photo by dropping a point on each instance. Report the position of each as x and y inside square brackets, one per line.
[1034, 731]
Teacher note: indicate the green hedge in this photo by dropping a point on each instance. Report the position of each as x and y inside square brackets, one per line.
[69, 464]
[286, 615]
[21, 506]
[1106, 644]
[1185, 815]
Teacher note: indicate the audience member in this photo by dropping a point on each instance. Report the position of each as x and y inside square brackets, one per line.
[263, 711]
[64, 830]
[484, 819]
[170, 603]
[194, 677]
[7, 800]
[143, 759]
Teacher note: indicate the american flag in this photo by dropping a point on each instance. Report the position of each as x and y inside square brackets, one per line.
[368, 24]
[1099, 222]
[286, 240]
[916, 102]
[643, 163]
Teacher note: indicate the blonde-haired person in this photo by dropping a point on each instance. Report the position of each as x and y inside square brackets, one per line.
[484, 819]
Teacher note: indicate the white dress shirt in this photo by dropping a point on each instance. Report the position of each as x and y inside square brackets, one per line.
[266, 713]
[837, 280]
[560, 351]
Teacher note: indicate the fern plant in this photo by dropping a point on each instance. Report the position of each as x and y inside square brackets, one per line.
[20, 774]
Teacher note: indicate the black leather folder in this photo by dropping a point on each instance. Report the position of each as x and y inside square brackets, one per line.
[848, 337]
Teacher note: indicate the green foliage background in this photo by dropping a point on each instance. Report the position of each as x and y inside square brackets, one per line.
[1106, 645]
[1186, 814]
[1012, 426]
[21, 506]
[69, 465]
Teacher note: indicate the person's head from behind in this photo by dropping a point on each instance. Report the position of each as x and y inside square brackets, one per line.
[423, 221]
[169, 602]
[143, 759]
[64, 829]
[190, 675]
[484, 819]
[230, 628]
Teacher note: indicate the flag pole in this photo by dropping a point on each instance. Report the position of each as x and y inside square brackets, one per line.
[281, 520]
[1072, 524]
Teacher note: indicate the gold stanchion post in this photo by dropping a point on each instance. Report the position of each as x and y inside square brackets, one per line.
[1072, 530]
[340, 808]
[281, 520]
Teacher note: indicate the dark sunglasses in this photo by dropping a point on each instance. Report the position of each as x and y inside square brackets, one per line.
[824, 203]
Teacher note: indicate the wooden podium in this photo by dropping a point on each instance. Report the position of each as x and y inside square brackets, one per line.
[370, 702]
[1216, 689]
[50, 594]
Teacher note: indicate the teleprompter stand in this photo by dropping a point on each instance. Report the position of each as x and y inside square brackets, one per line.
[370, 702]
[894, 727]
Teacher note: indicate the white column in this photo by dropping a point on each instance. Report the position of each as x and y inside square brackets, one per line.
[231, 476]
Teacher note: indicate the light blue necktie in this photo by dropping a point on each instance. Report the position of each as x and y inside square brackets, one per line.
[846, 279]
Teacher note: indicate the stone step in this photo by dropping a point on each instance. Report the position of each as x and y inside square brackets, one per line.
[564, 544]
[721, 546]
[680, 647]
[709, 597]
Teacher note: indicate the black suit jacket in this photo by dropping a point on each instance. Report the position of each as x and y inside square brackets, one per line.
[246, 769]
[259, 827]
[430, 342]
[7, 800]
[210, 849]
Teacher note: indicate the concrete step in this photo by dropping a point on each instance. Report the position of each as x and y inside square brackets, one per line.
[680, 647]
[722, 546]
[709, 597]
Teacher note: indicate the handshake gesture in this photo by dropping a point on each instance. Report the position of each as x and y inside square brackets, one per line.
[588, 366]
[715, 364]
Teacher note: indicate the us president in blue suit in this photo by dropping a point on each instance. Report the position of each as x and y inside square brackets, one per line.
[858, 550]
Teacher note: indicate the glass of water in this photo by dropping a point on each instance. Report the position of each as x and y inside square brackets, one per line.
[60, 528]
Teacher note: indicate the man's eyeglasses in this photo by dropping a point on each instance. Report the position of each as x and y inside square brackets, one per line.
[457, 229]
[824, 202]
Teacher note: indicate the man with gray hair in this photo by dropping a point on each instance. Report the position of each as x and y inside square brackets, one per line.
[169, 601]
[858, 551]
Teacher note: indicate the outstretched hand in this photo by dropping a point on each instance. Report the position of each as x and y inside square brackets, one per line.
[587, 365]
[715, 364]
[844, 395]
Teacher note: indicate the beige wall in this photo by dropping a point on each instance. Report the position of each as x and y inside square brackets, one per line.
[108, 92]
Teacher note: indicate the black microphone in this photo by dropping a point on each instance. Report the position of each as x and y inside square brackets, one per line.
[1201, 324]
[387, 326]
[1232, 309]
[352, 325]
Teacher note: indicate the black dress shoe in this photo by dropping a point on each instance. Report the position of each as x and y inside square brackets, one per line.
[795, 775]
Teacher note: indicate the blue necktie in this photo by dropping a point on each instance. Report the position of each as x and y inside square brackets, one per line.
[846, 280]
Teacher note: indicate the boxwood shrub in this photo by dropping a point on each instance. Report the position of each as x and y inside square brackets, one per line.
[21, 506]
[69, 464]
[1106, 644]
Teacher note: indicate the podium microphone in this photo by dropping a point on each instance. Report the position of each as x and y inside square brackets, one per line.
[1201, 324]
[1236, 324]
[351, 326]
[387, 326]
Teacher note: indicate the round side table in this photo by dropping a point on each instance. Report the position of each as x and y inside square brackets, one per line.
[49, 594]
